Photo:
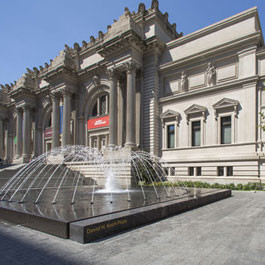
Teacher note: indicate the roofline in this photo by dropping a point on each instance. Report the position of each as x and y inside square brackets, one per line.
[218, 25]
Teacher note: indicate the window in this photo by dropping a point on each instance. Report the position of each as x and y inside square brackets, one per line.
[226, 130]
[100, 107]
[171, 136]
[191, 171]
[198, 171]
[95, 110]
[229, 171]
[103, 105]
[196, 133]
[220, 171]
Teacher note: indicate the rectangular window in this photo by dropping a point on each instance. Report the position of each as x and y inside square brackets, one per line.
[220, 171]
[191, 171]
[198, 171]
[171, 136]
[229, 171]
[226, 130]
[196, 133]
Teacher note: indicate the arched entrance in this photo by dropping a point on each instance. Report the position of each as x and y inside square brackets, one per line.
[97, 117]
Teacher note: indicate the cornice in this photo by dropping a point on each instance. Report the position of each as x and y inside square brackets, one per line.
[92, 70]
[62, 72]
[125, 40]
[251, 38]
[214, 27]
[218, 87]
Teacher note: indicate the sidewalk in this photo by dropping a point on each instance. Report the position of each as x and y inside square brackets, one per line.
[231, 231]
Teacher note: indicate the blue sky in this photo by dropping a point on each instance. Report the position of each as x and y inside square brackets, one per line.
[34, 31]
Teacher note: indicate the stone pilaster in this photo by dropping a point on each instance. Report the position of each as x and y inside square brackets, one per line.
[38, 141]
[8, 145]
[19, 134]
[130, 106]
[55, 121]
[113, 110]
[81, 131]
[2, 138]
[66, 117]
[26, 134]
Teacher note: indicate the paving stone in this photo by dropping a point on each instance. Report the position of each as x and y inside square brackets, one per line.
[231, 231]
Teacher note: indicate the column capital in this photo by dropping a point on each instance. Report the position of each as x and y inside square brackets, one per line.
[131, 66]
[112, 73]
[54, 96]
[18, 109]
[26, 107]
[65, 92]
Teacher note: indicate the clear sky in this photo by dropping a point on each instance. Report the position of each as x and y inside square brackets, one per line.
[34, 31]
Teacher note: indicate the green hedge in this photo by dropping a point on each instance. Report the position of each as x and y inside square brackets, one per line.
[199, 184]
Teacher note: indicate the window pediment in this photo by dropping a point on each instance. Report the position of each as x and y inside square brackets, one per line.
[169, 114]
[225, 103]
[195, 109]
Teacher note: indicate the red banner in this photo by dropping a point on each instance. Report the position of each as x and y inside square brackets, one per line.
[98, 122]
[48, 133]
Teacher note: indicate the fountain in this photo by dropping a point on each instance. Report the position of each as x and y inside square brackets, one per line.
[82, 193]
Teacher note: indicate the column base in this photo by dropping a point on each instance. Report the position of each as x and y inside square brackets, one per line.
[130, 144]
[111, 146]
[26, 158]
[18, 160]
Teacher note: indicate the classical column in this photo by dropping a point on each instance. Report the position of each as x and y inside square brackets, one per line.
[19, 134]
[2, 138]
[66, 117]
[8, 149]
[38, 140]
[26, 133]
[81, 137]
[130, 106]
[55, 121]
[113, 109]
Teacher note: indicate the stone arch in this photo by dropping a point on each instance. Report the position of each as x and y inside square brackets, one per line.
[92, 100]
[90, 91]
[87, 100]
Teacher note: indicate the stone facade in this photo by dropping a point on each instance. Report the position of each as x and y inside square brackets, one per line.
[194, 100]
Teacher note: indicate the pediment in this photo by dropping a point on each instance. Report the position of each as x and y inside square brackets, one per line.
[195, 109]
[225, 102]
[169, 114]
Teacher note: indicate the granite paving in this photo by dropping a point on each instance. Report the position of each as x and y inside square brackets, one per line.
[231, 231]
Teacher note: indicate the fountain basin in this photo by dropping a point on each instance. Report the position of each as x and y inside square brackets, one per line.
[108, 215]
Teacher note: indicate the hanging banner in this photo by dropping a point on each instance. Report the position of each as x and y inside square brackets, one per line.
[98, 122]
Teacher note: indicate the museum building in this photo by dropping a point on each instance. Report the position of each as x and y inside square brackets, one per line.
[193, 100]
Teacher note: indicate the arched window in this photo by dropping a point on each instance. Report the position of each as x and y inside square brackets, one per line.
[50, 122]
[95, 109]
[100, 106]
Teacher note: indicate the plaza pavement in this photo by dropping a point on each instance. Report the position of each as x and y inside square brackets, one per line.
[231, 231]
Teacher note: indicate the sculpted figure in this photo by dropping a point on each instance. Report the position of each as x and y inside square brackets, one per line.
[141, 8]
[183, 81]
[96, 80]
[155, 4]
[211, 72]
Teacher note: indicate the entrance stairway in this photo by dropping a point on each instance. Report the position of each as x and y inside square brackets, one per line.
[99, 173]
